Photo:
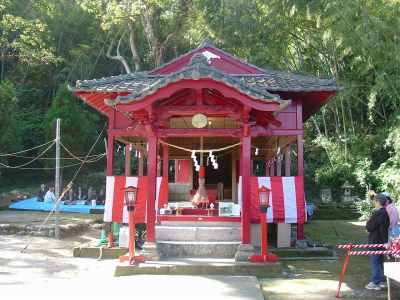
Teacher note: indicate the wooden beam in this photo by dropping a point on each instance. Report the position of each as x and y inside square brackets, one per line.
[128, 132]
[262, 131]
[227, 91]
[191, 132]
[189, 110]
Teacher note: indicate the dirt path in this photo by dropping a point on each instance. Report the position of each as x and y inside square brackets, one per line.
[47, 259]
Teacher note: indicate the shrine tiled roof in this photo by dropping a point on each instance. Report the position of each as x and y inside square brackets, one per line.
[271, 81]
[263, 86]
[198, 68]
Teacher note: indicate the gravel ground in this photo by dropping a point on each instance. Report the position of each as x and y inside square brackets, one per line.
[48, 271]
[47, 259]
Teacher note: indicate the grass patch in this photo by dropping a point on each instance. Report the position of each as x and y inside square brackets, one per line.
[318, 279]
[336, 232]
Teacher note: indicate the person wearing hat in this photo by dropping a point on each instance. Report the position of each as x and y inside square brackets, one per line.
[377, 227]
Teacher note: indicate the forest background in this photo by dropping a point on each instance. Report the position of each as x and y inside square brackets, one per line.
[47, 44]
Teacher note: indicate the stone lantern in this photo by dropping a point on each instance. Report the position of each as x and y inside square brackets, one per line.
[347, 188]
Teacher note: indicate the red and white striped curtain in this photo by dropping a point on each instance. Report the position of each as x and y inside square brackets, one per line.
[115, 209]
[287, 203]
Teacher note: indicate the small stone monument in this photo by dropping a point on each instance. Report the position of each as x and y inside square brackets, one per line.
[326, 195]
[347, 188]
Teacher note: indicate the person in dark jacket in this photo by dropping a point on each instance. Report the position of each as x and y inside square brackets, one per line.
[377, 227]
[41, 193]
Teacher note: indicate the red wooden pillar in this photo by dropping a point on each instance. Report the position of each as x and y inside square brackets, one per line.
[165, 162]
[110, 163]
[110, 154]
[245, 172]
[272, 169]
[300, 159]
[151, 189]
[300, 172]
[300, 155]
[287, 160]
[110, 144]
[127, 160]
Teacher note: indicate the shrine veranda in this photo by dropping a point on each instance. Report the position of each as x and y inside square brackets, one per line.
[206, 99]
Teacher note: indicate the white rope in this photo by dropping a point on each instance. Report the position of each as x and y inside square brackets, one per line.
[200, 150]
[26, 150]
[29, 162]
[70, 153]
[66, 166]
[54, 158]
[67, 188]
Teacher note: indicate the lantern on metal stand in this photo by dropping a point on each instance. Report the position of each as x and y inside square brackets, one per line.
[263, 198]
[130, 193]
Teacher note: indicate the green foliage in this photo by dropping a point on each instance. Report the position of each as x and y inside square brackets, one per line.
[78, 127]
[365, 207]
[22, 37]
[389, 170]
[10, 137]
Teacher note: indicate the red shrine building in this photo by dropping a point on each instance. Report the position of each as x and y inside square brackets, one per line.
[204, 132]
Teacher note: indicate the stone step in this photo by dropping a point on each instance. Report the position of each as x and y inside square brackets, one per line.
[196, 266]
[197, 249]
[200, 224]
[198, 233]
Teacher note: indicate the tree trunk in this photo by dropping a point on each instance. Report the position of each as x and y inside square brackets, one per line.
[133, 45]
[119, 57]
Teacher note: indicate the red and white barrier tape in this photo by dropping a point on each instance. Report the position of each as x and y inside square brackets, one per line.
[393, 248]
[382, 252]
[351, 246]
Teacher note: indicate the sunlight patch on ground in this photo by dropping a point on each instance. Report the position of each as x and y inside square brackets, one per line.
[301, 288]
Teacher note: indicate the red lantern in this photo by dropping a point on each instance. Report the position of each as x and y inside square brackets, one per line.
[263, 198]
[130, 197]
[130, 201]
[264, 256]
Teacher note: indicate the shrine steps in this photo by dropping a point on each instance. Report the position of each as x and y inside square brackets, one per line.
[199, 234]
[201, 266]
[198, 239]
[197, 249]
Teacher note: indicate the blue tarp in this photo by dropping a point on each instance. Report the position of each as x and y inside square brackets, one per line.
[33, 204]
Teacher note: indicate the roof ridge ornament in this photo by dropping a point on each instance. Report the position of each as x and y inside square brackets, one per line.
[198, 59]
[210, 56]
